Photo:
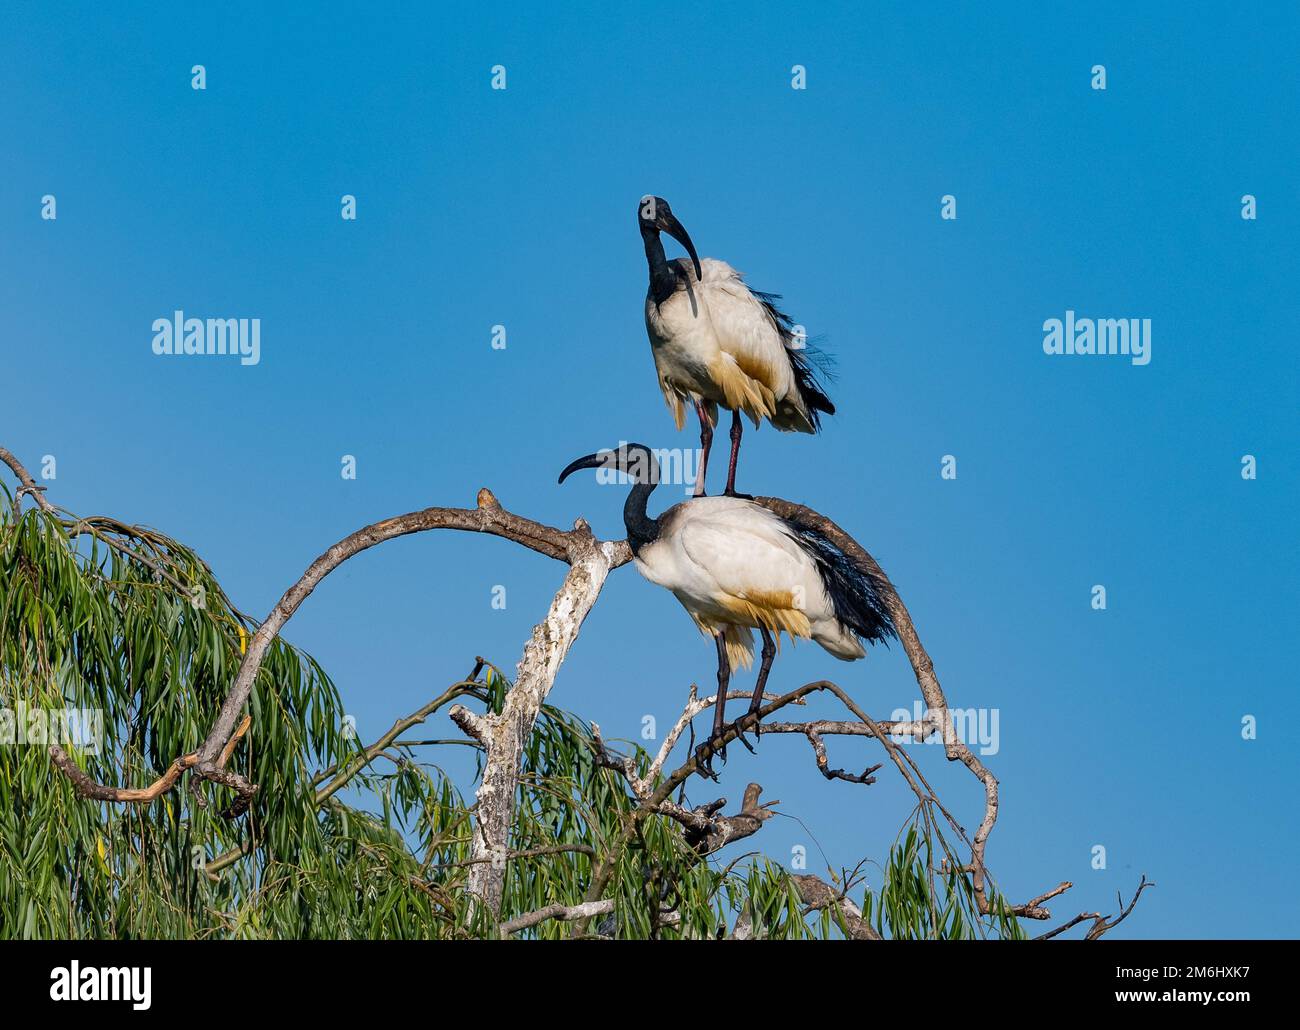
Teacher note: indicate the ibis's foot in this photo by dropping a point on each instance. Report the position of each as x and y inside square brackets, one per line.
[751, 717]
[733, 493]
[704, 758]
[716, 744]
[740, 726]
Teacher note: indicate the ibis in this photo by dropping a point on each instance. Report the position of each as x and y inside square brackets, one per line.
[737, 566]
[718, 343]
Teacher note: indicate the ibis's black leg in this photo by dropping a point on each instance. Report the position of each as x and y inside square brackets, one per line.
[706, 442]
[737, 428]
[769, 652]
[724, 679]
[704, 753]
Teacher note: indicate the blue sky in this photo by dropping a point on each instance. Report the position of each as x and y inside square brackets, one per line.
[478, 207]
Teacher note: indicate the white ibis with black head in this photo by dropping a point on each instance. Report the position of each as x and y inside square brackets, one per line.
[717, 343]
[737, 566]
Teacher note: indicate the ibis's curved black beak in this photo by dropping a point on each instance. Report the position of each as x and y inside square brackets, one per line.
[668, 223]
[589, 461]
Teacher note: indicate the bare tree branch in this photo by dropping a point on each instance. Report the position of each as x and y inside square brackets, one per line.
[823, 764]
[506, 735]
[1033, 909]
[488, 517]
[817, 894]
[708, 830]
[89, 788]
[548, 849]
[643, 786]
[1104, 924]
[1101, 924]
[28, 484]
[208, 761]
[586, 910]
[926, 680]
[396, 730]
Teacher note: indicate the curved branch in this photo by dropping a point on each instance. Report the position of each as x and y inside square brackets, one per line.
[926, 680]
[488, 517]
[584, 911]
[89, 788]
[29, 485]
[209, 760]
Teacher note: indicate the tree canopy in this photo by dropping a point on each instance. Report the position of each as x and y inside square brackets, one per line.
[118, 644]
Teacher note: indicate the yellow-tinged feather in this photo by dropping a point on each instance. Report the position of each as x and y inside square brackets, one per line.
[675, 406]
[742, 393]
[674, 401]
[758, 369]
[774, 610]
[737, 639]
[740, 647]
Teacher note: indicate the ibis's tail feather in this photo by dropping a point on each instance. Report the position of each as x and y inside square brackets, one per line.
[860, 595]
[806, 362]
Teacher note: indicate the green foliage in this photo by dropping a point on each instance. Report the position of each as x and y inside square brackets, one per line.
[126, 622]
[925, 895]
[149, 643]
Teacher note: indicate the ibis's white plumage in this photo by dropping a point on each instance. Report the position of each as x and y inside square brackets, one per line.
[716, 341]
[735, 566]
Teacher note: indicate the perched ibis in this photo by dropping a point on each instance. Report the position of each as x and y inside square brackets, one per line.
[717, 343]
[737, 566]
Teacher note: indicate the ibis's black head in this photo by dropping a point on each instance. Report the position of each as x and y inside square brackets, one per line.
[638, 461]
[655, 216]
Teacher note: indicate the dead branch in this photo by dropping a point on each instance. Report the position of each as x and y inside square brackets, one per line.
[396, 730]
[207, 763]
[918, 731]
[1101, 924]
[89, 788]
[548, 849]
[817, 894]
[658, 802]
[707, 830]
[926, 680]
[506, 735]
[1033, 909]
[643, 786]
[1105, 924]
[823, 764]
[586, 910]
[488, 517]
[27, 484]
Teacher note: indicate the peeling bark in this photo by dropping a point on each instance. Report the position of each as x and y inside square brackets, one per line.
[505, 736]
